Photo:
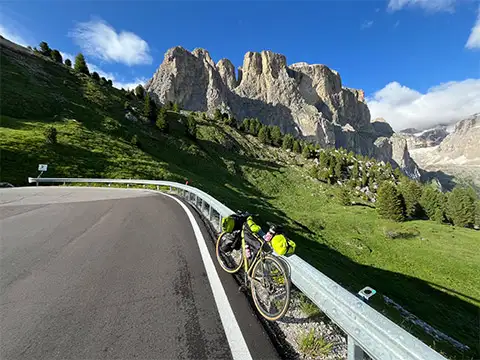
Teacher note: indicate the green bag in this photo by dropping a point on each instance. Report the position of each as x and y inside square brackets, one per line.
[231, 223]
[282, 246]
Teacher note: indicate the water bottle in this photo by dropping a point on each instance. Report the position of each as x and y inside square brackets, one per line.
[247, 251]
[270, 234]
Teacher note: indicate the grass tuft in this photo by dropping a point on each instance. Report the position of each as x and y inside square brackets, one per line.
[311, 344]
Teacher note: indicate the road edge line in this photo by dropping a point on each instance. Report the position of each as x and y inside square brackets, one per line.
[236, 341]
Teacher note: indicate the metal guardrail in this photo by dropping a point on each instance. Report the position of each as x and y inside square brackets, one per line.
[368, 331]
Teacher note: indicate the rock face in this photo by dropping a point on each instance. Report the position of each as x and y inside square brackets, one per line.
[306, 100]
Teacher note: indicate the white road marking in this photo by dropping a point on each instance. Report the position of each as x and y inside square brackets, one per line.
[235, 338]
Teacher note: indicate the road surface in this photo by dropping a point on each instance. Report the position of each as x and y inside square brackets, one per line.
[95, 273]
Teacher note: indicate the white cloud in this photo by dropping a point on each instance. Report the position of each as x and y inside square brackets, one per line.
[66, 56]
[366, 24]
[130, 85]
[473, 41]
[447, 103]
[429, 5]
[98, 39]
[12, 35]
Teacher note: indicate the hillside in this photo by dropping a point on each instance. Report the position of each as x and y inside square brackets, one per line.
[427, 268]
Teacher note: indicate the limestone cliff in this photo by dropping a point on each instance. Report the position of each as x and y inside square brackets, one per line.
[306, 100]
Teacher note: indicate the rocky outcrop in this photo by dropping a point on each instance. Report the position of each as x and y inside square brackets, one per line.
[395, 151]
[227, 73]
[382, 128]
[401, 156]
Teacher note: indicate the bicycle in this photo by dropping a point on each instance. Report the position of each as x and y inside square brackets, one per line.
[264, 273]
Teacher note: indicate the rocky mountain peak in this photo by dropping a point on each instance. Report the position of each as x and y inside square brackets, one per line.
[307, 100]
[227, 73]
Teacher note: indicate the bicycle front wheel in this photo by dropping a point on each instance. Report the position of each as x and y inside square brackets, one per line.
[230, 258]
[270, 287]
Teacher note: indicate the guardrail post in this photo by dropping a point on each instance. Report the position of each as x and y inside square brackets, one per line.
[170, 189]
[210, 212]
[36, 182]
[158, 187]
[355, 352]
[219, 223]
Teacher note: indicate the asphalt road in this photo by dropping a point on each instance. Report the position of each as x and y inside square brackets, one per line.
[90, 273]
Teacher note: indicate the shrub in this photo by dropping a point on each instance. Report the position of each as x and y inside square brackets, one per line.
[110, 125]
[287, 142]
[95, 76]
[81, 65]
[389, 203]
[134, 141]
[245, 126]
[68, 63]
[217, 115]
[306, 152]
[50, 135]
[126, 105]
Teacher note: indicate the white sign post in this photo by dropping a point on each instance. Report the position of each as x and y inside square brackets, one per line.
[42, 168]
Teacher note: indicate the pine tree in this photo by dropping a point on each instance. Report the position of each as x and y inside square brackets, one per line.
[287, 143]
[191, 127]
[95, 76]
[245, 125]
[306, 151]
[439, 216]
[411, 192]
[217, 115]
[389, 203]
[344, 196]
[45, 49]
[176, 107]
[461, 207]
[68, 63]
[162, 123]
[263, 135]
[139, 92]
[81, 65]
[276, 136]
[56, 56]
[147, 110]
[323, 159]
[430, 201]
[355, 171]
[296, 147]
[477, 213]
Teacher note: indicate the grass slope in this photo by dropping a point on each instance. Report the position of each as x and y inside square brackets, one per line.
[432, 271]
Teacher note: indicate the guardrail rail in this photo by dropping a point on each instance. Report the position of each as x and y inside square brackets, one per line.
[368, 331]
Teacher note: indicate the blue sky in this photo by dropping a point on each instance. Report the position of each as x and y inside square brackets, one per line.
[410, 56]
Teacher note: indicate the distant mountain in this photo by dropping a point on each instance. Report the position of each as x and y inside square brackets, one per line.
[457, 154]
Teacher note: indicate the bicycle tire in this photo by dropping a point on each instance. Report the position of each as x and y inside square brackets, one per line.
[286, 282]
[223, 263]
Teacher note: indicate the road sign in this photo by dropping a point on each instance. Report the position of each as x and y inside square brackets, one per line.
[42, 167]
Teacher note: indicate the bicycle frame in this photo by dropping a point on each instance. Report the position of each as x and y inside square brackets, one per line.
[248, 268]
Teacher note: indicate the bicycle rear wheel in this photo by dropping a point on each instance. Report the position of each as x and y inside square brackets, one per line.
[270, 288]
[230, 259]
